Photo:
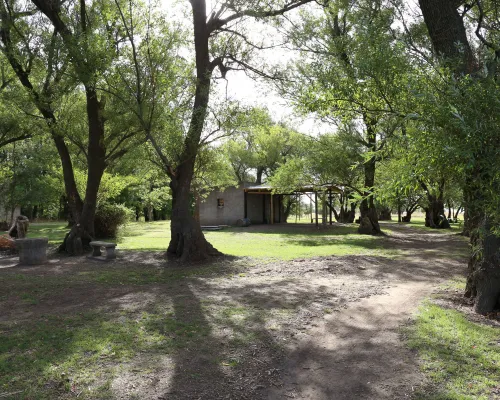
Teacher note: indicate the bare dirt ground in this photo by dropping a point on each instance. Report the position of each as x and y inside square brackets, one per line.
[322, 328]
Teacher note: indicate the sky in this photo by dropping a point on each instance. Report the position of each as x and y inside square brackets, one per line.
[238, 86]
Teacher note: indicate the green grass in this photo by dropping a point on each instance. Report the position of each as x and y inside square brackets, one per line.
[58, 357]
[280, 242]
[461, 358]
[55, 231]
[418, 221]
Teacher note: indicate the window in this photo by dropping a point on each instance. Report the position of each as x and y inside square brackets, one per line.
[220, 203]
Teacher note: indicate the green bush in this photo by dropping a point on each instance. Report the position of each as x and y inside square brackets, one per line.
[109, 217]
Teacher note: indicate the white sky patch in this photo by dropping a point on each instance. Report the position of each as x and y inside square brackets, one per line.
[239, 86]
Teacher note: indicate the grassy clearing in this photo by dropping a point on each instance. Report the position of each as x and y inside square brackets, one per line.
[279, 243]
[60, 357]
[461, 358]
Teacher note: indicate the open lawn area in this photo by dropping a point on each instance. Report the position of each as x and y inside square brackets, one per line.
[284, 242]
[291, 312]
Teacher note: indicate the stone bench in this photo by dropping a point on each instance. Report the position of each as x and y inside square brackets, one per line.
[109, 248]
[32, 251]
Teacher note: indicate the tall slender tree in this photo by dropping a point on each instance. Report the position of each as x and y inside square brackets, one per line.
[219, 43]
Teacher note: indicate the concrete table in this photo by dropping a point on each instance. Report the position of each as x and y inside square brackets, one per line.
[32, 251]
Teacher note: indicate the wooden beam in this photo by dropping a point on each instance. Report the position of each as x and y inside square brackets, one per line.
[245, 201]
[272, 210]
[263, 209]
[330, 199]
[316, 207]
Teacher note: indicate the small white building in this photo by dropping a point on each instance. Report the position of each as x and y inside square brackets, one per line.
[255, 202]
[8, 215]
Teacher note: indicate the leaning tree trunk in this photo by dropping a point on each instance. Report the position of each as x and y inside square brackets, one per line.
[75, 203]
[447, 31]
[187, 241]
[483, 281]
[82, 233]
[368, 213]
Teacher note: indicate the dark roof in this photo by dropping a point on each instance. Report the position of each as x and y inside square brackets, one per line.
[267, 188]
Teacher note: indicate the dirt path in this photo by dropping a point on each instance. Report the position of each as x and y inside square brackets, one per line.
[358, 353]
[318, 328]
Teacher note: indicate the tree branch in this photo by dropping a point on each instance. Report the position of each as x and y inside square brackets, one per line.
[215, 22]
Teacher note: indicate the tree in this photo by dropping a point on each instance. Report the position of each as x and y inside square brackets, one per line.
[85, 48]
[338, 82]
[467, 113]
[44, 78]
[218, 44]
[331, 159]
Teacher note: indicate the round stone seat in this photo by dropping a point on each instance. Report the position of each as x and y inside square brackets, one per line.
[32, 251]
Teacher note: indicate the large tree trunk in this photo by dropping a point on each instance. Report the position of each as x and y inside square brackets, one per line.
[82, 233]
[483, 281]
[434, 212]
[448, 35]
[367, 207]
[75, 203]
[187, 240]
[260, 172]
[385, 214]
[368, 212]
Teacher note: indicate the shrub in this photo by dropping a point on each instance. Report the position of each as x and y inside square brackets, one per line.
[109, 217]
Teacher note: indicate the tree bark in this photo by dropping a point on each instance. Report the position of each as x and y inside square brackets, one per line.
[448, 35]
[187, 240]
[483, 281]
[260, 171]
[82, 233]
[75, 203]
[447, 31]
[367, 207]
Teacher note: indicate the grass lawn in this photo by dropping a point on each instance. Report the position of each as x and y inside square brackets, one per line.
[71, 332]
[281, 242]
[460, 357]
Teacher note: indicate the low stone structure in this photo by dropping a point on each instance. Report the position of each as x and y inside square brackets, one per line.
[19, 228]
[32, 251]
[109, 248]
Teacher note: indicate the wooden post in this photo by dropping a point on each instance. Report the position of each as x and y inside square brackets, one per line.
[263, 208]
[272, 210]
[311, 209]
[245, 200]
[280, 206]
[330, 199]
[316, 208]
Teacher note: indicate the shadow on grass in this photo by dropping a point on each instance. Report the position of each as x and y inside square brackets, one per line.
[144, 328]
[461, 358]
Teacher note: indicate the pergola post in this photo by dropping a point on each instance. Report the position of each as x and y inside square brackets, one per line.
[263, 208]
[280, 205]
[330, 202]
[245, 201]
[272, 210]
[316, 207]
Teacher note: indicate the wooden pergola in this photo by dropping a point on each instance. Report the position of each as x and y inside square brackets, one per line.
[266, 189]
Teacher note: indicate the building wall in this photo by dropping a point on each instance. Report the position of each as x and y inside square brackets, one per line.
[234, 207]
[6, 214]
[233, 210]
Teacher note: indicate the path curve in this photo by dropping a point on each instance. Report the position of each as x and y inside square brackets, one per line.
[358, 353]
